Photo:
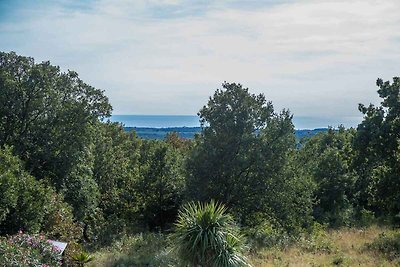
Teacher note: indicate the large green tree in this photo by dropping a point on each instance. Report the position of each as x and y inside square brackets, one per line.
[377, 146]
[48, 116]
[241, 158]
[28, 204]
[116, 170]
[327, 157]
[141, 182]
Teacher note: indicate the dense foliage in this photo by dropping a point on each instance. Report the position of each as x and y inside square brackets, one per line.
[377, 147]
[242, 159]
[327, 159]
[67, 172]
[28, 250]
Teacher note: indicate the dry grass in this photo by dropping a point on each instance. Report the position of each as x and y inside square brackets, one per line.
[343, 247]
[348, 249]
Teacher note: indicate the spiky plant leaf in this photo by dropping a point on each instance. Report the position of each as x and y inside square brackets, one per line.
[206, 235]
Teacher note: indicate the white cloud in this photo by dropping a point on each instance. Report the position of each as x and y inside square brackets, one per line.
[314, 57]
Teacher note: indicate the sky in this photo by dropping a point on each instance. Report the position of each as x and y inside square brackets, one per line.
[317, 58]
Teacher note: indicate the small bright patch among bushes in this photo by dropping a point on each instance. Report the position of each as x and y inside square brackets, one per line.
[28, 250]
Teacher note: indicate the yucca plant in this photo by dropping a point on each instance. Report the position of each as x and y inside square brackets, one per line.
[207, 236]
[82, 258]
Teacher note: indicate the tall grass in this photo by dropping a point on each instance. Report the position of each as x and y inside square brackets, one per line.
[369, 246]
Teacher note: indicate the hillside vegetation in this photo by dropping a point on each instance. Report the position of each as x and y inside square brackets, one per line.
[190, 132]
[243, 192]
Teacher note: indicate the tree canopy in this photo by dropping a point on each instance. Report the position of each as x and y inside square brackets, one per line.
[241, 158]
[377, 146]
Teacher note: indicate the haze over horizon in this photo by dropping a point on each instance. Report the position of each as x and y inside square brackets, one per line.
[317, 58]
[173, 121]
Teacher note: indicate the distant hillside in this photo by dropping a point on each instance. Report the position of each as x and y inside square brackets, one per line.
[308, 133]
[160, 133]
[189, 132]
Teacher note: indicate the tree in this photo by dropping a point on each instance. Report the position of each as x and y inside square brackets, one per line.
[9, 175]
[327, 157]
[48, 117]
[116, 170]
[160, 188]
[377, 147]
[241, 157]
[182, 144]
[25, 202]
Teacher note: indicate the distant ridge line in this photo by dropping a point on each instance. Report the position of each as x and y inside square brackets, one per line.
[189, 132]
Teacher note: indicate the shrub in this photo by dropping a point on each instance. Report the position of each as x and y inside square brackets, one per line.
[28, 250]
[317, 239]
[59, 224]
[82, 258]
[387, 244]
[24, 201]
[366, 218]
[207, 236]
[267, 235]
[32, 205]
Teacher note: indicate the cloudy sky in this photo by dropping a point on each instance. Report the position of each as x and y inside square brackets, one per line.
[318, 58]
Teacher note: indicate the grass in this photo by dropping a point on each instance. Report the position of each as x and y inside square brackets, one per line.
[149, 249]
[347, 247]
[343, 247]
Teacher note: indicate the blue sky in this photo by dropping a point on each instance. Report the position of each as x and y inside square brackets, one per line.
[318, 58]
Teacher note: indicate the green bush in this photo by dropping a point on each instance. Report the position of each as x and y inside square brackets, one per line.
[388, 244]
[207, 236]
[266, 235]
[316, 239]
[28, 250]
[82, 258]
[366, 218]
[59, 224]
[24, 201]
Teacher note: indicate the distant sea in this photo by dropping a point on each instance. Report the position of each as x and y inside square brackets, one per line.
[167, 121]
[157, 121]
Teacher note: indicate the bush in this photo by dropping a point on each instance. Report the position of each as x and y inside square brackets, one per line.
[207, 236]
[24, 201]
[366, 218]
[387, 244]
[59, 224]
[317, 239]
[82, 258]
[266, 235]
[28, 250]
